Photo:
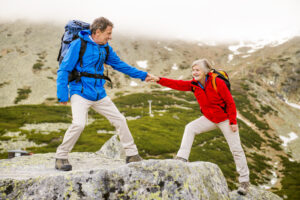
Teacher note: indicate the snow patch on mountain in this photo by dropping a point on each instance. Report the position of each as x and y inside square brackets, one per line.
[286, 140]
[142, 64]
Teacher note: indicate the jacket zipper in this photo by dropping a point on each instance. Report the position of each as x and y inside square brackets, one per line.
[95, 67]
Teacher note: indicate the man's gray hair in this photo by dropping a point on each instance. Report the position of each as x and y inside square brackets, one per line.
[100, 23]
[204, 64]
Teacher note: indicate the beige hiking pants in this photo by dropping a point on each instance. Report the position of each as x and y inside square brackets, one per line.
[105, 107]
[202, 125]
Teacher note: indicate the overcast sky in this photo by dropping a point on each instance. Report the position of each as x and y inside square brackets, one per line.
[217, 20]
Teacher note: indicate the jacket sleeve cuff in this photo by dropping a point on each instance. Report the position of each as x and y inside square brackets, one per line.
[158, 80]
[232, 122]
[144, 76]
[63, 99]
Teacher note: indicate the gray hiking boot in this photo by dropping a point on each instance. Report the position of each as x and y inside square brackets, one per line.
[135, 158]
[243, 189]
[62, 165]
[180, 158]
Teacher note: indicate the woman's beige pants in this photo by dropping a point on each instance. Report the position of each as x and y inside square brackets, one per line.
[201, 125]
[105, 107]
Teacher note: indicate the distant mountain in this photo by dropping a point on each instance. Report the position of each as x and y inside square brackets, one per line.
[28, 56]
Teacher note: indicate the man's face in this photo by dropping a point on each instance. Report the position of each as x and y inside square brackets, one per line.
[103, 37]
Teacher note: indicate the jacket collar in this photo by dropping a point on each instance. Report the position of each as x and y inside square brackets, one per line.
[84, 34]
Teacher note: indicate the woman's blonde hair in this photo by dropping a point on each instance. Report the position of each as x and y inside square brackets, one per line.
[204, 64]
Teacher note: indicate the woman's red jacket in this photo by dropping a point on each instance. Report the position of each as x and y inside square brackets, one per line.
[217, 106]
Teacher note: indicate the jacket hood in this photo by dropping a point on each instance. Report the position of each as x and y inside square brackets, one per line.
[84, 34]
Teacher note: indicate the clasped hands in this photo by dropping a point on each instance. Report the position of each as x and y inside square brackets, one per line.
[151, 78]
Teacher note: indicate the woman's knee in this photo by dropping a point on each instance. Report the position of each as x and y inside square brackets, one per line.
[189, 129]
[236, 149]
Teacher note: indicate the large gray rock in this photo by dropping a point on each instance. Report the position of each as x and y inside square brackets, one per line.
[112, 149]
[96, 177]
[255, 193]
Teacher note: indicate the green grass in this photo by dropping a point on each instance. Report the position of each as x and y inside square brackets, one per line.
[23, 93]
[5, 138]
[275, 145]
[12, 118]
[3, 84]
[37, 66]
[3, 155]
[252, 94]
[291, 180]
[156, 137]
[163, 137]
[249, 137]
[245, 107]
[245, 86]
[267, 109]
[119, 94]
[141, 100]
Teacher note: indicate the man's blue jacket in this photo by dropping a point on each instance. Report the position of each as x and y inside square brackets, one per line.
[92, 62]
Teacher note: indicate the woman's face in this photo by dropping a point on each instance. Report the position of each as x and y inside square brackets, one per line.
[198, 73]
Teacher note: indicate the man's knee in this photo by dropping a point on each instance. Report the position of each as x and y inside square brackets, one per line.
[120, 117]
[78, 126]
[119, 120]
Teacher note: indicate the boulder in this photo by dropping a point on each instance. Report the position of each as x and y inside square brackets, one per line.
[96, 177]
[112, 149]
[104, 175]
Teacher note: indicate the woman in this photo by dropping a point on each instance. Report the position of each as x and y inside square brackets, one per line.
[219, 111]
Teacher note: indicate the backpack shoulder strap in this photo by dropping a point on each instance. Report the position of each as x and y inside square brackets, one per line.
[82, 50]
[214, 76]
[107, 53]
[193, 86]
[59, 54]
[222, 75]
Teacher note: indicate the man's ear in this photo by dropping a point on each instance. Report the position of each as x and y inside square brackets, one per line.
[98, 32]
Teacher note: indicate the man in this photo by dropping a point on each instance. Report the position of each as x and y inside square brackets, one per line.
[88, 91]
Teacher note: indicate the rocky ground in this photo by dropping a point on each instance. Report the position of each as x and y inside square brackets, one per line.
[97, 176]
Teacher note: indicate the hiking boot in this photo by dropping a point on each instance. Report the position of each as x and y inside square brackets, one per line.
[63, 165]
[243, 189]
[135, 158]
[180, 158]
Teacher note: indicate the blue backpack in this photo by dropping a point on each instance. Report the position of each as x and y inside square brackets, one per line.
[72, 29]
